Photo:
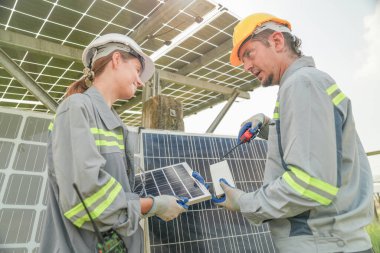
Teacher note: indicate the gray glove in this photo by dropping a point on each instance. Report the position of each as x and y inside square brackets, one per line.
[265, 122]
[165, 207]
[231, 197]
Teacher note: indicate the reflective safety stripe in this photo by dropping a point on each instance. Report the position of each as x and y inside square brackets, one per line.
[276, 113]
[310, 187]
[109, 143]
[106, 133]
[112, 140]
[51, 126]
[100, 208]
[90, 200]
[337, 96]
[331, 89]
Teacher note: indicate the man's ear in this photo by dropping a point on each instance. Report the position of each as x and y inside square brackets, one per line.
[278, 41]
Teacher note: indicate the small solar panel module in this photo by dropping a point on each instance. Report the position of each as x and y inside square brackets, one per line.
[171, 180]
[205, 227]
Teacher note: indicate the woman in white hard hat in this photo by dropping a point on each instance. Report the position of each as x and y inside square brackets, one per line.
[88, 148]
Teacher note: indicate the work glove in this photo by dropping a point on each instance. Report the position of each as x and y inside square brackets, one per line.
[167, 207]
[230, 199]
[257, 122]
[200, 179]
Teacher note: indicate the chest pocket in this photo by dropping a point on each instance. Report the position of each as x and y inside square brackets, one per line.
[109, 141]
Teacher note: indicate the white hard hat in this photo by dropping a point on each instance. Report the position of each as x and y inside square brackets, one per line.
[107, 43]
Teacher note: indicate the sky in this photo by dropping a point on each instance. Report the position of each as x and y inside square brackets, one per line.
[343, 37]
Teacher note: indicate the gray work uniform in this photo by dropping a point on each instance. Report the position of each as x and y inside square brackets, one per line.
[87, 146]
[317, 192]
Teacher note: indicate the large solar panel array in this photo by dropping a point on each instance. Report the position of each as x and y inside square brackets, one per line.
[75, 23]
[204, 227]
[23, 178]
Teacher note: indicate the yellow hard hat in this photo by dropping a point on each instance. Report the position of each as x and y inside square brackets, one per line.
[246, 27]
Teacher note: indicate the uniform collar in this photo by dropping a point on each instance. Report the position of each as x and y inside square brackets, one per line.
[108, 115]
[304, 61]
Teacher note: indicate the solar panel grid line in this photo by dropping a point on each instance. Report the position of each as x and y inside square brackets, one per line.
[202, 42]
[41, 19]
[61, 76]
[190, 93]
[165, 25]
[209, 71]
[114, 17]
[62, 42]
[164, 67]
[91, 16]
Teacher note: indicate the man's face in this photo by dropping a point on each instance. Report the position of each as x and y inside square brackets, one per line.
[260, 60]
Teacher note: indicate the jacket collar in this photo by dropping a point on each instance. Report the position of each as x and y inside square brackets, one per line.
[304, 61]
[108, 115]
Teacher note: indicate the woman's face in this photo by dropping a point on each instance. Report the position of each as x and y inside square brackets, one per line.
[129, 77]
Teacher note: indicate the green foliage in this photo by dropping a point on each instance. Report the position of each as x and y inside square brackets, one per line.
[373, 230]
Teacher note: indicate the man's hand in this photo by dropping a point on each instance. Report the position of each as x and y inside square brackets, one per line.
[167, 207]
[230, 199]
[257, 121]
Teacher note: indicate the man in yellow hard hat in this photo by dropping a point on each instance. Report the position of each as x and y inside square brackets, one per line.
[317, 192]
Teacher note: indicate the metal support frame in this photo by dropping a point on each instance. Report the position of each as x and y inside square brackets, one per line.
[146, 94]
[26, 81]
[152, 87]
[200, 84]
[223, 112]
[156, 84]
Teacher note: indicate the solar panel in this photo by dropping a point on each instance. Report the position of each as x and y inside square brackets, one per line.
[152, 23]
[205, 227]
[173, 180]
[23, 179]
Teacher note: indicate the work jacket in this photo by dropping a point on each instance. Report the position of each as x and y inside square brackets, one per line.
[88, 146]
[317, 193]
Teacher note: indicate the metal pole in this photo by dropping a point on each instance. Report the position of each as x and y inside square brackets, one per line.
[25, 80]
[223, 112]
[156, 84]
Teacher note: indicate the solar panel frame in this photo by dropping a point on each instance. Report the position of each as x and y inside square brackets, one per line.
[182, 182]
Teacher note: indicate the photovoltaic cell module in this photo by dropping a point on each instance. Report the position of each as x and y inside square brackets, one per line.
[23, 179]
[173, 180]
[205, 227]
